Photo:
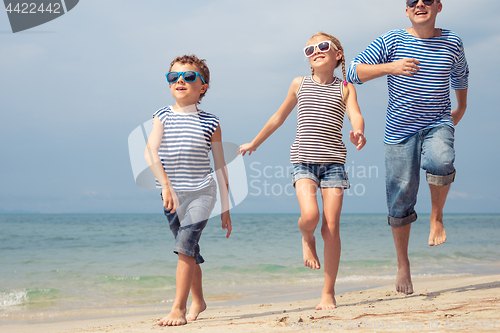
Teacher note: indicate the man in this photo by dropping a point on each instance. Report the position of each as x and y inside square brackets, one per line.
[419, 63]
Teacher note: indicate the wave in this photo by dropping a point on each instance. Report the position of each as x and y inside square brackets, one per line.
[29, 298]
[13, 298]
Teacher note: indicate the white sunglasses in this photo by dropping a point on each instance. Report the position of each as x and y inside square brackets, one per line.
[323, 46]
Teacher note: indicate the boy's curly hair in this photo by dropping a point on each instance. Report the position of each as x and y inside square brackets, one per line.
[200, 63]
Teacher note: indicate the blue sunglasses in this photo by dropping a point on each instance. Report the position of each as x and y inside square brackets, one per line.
[189, 76]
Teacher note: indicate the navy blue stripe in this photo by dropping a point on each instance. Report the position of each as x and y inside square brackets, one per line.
[421, 101]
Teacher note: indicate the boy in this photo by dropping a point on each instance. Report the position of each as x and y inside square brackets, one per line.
[177, 153]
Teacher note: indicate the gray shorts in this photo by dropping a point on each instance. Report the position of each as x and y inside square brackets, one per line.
[190, 219]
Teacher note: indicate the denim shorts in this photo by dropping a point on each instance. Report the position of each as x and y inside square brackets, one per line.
[190, 219]
[430, 149]
[325, 175]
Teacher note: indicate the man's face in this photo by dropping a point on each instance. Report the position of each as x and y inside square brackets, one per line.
[421, 14]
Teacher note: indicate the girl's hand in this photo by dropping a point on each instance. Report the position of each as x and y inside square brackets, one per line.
[358, 139]
[226, 223]
[247, 147]
[170, 201]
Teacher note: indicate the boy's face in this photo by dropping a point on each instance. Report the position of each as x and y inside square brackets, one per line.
[422, 14]
[186, 93]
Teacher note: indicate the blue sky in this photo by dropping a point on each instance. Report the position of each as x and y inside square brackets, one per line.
[73, 89]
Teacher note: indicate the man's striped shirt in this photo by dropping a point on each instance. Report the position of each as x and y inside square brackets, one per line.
[185, 146]
[421, 101]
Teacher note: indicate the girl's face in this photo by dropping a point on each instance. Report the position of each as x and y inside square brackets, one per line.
[326, 60]
[186, 93]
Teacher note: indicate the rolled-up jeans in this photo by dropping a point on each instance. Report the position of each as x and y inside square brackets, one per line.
[433, 150]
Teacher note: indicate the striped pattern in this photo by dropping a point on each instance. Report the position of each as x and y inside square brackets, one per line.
[320, 115]
[422, 101]
[185, 146]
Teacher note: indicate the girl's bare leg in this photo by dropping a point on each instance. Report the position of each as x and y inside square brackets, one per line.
[309, 217]
[332, 207]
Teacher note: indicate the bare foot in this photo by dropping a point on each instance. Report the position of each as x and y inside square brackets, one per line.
[174, 318]
[195, 310]
[403, 280]
[311, 259]
[327, 302]
[438, 234]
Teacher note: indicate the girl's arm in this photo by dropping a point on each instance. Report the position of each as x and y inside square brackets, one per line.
[222, 179]
[151, 155]
[276, 120]
[357, 135]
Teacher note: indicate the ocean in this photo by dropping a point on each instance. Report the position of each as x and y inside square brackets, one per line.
[59, 266]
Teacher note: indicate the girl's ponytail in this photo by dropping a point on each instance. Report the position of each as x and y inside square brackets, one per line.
[345, 88]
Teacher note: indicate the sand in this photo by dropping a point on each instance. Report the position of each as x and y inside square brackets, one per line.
[438, 305]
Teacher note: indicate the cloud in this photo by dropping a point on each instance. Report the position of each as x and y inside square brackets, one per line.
[458, 195]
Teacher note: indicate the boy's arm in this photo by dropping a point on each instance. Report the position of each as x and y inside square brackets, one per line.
[276, 120]
[222, 179]
[458, 113]
[153, 159]
[357, 135]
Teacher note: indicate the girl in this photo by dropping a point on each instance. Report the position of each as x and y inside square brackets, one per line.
[318, 153]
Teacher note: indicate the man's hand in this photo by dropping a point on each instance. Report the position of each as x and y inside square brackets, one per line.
[406, 66]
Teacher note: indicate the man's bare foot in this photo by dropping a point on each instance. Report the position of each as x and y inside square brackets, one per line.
[174, 318]
[438, 234]
[403, 281]
[195, 310]
[311, 259]
[327, 302]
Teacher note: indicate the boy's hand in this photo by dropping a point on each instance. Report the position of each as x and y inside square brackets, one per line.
[170, 202]
[226, 222]
[358, 139]
[247, 147]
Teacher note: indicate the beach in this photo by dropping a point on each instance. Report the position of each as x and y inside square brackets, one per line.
[438, 305]
[116, 273]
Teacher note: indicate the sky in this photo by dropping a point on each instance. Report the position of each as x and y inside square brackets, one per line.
[72, 90]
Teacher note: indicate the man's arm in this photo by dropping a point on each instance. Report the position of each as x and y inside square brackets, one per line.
[407, 66]
[458, 113]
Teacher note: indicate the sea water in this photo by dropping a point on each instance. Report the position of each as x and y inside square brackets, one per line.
[71, 265]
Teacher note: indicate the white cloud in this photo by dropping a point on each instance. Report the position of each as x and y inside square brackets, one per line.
[458, 195]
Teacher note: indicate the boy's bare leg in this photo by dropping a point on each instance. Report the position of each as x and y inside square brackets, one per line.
[437, 235]
[183, 280]
[198, 304]
[403, 278]
[332, 207]
[309, 217]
